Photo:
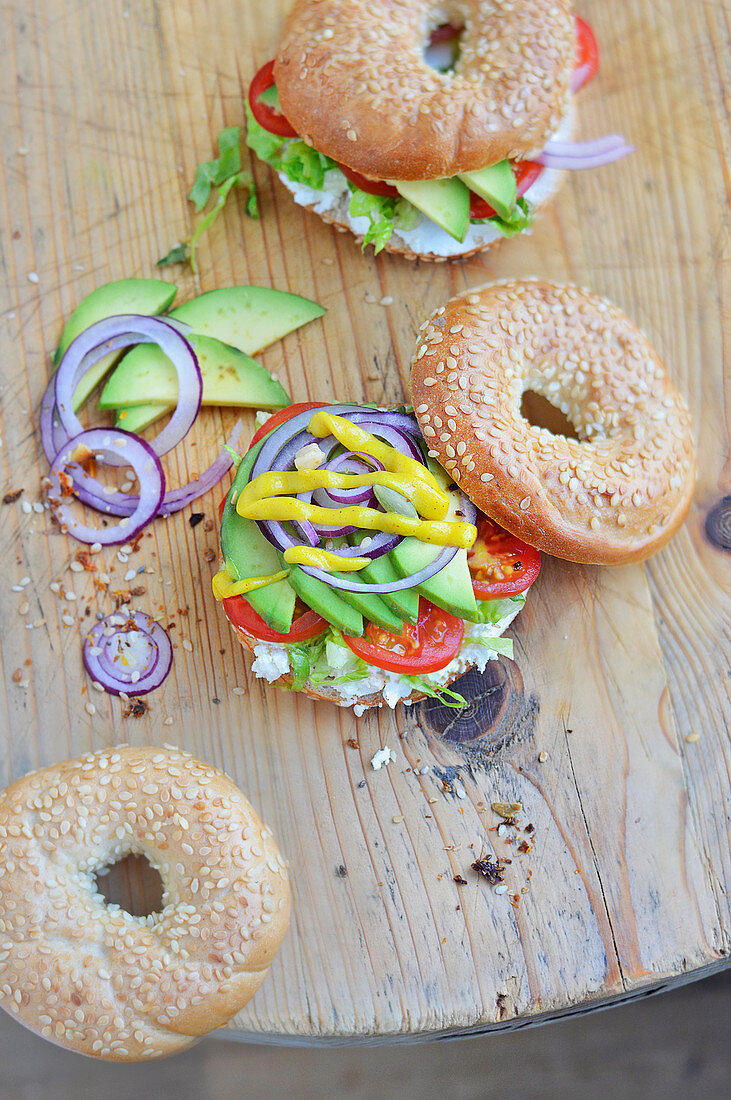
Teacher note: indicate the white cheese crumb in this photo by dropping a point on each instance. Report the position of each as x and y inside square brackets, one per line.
[383, 756]
[309, 457]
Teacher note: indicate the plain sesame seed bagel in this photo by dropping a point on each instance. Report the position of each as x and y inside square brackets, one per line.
[353, 80]
[95, 979]
[615, 494]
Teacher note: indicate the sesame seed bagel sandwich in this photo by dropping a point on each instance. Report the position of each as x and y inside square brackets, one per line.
[428, 130]
[372, 556]
[355, 569]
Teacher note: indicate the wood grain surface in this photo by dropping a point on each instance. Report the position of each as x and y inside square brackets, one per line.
[611, 725]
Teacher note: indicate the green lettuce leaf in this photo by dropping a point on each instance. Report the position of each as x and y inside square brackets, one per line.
[492, 611]
[519, 220]
[445, 695]
[298, 161]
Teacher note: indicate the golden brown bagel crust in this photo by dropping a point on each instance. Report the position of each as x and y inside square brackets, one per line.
[352, 80]
[616, 494]
[91, 977]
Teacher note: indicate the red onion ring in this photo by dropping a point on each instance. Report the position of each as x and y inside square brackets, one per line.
[110, 658]
[138, 454]
[84, 351]
[574, 155]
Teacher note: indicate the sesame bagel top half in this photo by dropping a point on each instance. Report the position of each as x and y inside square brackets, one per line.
[353, 81]
[617, 492]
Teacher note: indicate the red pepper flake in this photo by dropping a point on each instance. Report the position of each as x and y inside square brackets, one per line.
[353, 743]
[136, 709]
[524, 846]
[460, 881]
[10, 498]
[83, 557]
[491, 872]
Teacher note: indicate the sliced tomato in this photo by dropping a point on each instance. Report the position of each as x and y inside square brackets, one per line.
[500, 564]
[271, 119]
[372, 187]
[587, 55]
[282, 415]
[242, 615]
[445, 32]
[426, 647]
[526, 173]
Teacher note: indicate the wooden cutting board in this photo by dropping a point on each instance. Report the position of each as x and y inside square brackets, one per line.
[609, 727]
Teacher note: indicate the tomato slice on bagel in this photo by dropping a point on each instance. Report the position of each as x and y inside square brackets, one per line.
[587, 56]
[371, 187]
[426, 647]
[500, 564]
[266, 115]
[242, 615]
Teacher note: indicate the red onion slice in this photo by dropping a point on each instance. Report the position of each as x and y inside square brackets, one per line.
[570, 155]
[132, 328]
[133, 452]
[130, 654]
[347, 585]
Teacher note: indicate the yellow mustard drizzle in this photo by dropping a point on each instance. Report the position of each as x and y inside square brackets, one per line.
[354, 438]
[267, 498]
[322, 559]
[444, 533]
[428, 503]
[224, 586]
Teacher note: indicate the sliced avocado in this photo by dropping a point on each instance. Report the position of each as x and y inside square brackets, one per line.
[148, 296]
[496, 185]
[229, 378]
[404, 603]
[248, 554]
[248, 318]
[371, 605]
[324, 600]
[451, 587]
[138, 417]
[446, 202]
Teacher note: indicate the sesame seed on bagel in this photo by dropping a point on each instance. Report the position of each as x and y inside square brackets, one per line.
[613, 495]
[353, 80]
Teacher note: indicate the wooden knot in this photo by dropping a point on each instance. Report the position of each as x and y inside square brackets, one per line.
[718, 524]
[494, 697]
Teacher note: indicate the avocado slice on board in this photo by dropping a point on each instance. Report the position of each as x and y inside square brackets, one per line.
[446, 202]
[229, 378]
[248, 318]
[495, 185]
[148, 296]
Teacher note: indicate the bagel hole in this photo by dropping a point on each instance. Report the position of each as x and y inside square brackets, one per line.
[443, 46]
[133, 884]
[541, 413]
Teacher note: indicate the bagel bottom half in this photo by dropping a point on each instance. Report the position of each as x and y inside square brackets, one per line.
[390, 689]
